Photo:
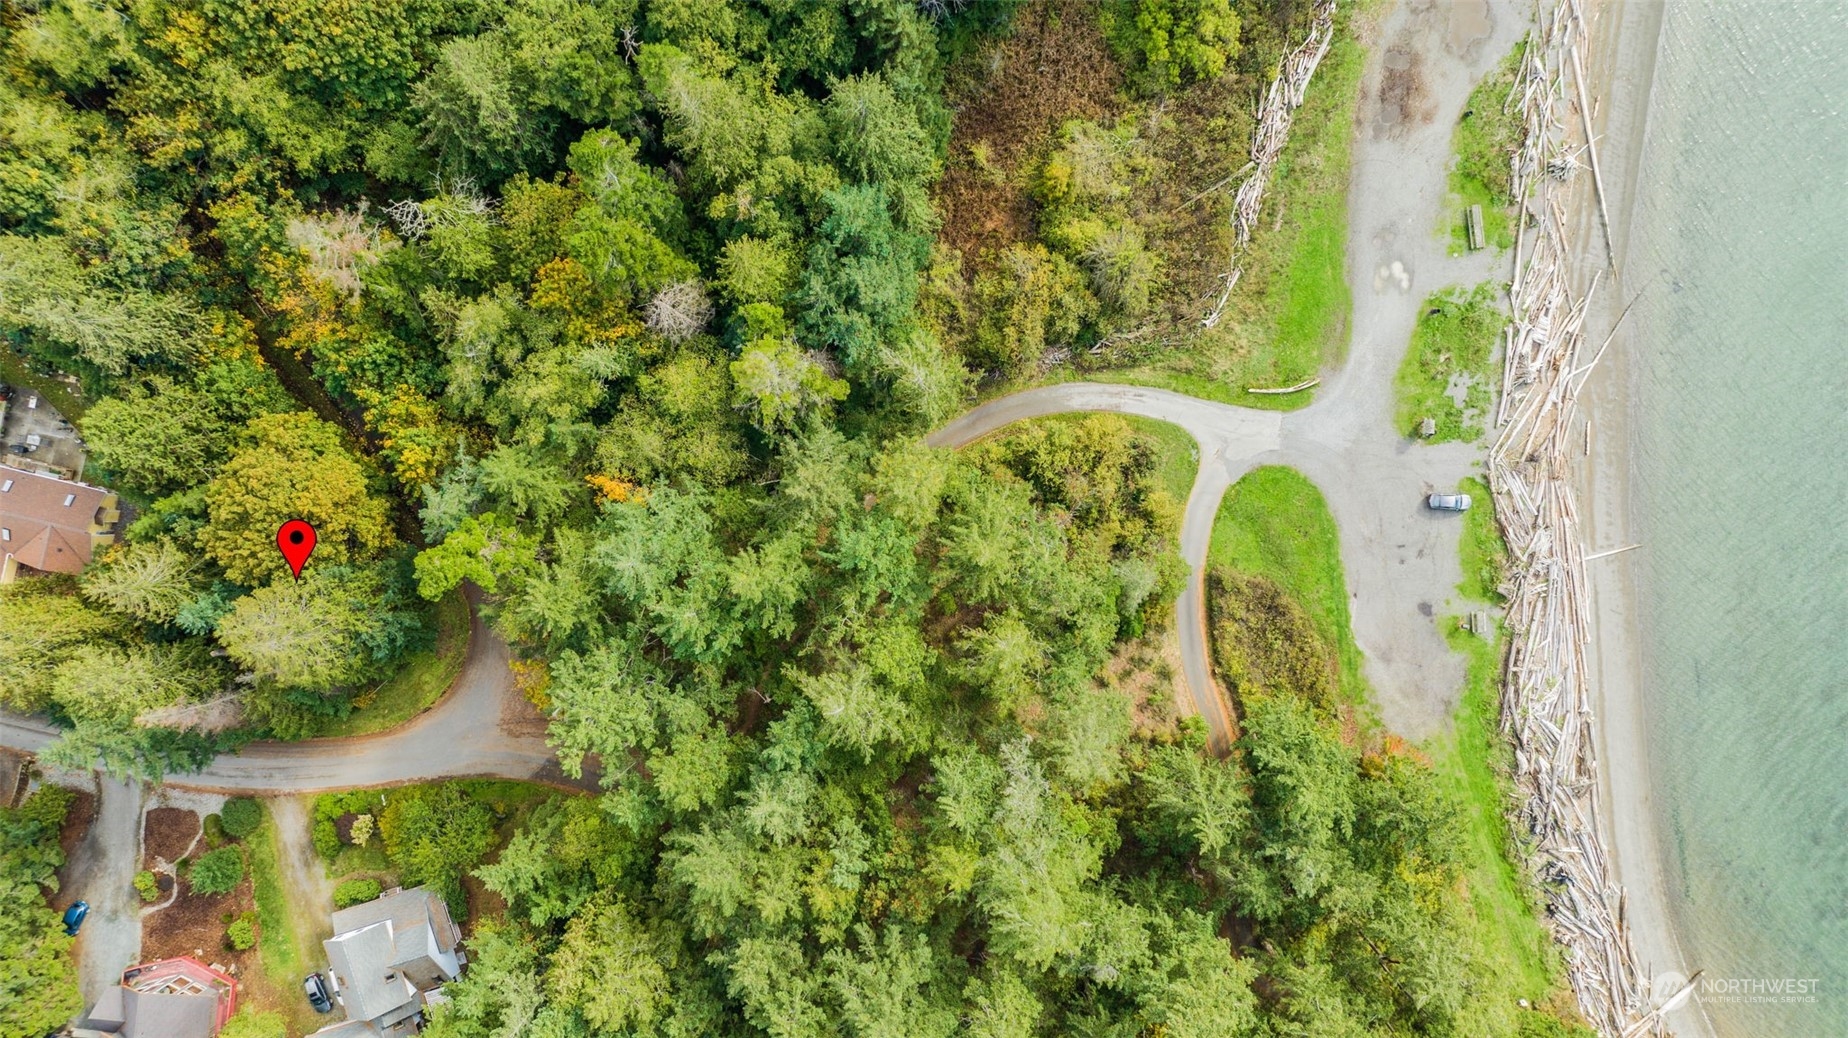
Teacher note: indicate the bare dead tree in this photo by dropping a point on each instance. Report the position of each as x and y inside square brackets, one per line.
[340, 246]
[213, 715]
[679, 311]
[460, 200]
[938, 10]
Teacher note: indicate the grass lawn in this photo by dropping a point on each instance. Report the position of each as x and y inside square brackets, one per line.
[1481, 551]
[1288, 317]
[1471, 763]
[1485, 137]
[1180, 455]
[1205, 388]
[1309, 301]
[14, 372]
[285, 949]
[1274, 523]
[420, 682]
[1453, 342]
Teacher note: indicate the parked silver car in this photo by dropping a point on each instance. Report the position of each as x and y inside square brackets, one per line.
[1448, 502]
[316, 990]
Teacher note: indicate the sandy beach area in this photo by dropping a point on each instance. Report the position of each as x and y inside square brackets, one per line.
[1625, 40]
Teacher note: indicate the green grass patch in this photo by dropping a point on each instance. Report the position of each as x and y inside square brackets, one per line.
[1179, 454]
[1485, 139]
[1294, 289]
[418, 684]
[1274, 523]
[284, 950]
[1209, 389]
[1481, 551]
[1497, 219]
[14, 372]
[1448, 373]
[369, 860]
[1471, 765]
[1288, 316]
[1182, 382]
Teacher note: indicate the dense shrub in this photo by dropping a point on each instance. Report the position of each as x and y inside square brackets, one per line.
[356, 892]
[241, 935]
[147, 886]
[240, 817]
[434, 834]
[217, 872]
[326, 838]
[38, 982]
[214, 828]
[1264, 641]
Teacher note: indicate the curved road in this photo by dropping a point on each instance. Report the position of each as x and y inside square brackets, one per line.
[1400, 560]
[481, 727]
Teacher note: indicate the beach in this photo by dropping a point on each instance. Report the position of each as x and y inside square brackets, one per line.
[1717, 643]
[1625, 42]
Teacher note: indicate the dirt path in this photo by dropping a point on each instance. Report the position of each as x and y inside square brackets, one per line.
[311, 892]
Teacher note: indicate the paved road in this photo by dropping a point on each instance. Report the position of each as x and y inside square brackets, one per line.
[482, 727]
[1231, 440]
[1400, 561]
[102, 870]
[1400, 558]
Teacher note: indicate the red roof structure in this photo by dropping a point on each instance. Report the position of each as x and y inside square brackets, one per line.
[49, 524]
[172, 998]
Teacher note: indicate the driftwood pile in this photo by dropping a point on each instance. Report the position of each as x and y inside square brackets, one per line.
[1546, 706]
[1267, 141]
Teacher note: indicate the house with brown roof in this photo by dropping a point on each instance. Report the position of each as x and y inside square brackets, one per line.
[172, 998]
[51, 525]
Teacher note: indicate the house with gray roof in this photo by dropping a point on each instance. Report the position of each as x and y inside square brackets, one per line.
[385, 960]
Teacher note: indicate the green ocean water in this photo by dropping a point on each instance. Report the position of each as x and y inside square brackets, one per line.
[1740, 469]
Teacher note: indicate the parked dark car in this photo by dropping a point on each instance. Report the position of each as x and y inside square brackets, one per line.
[1448, 502]
[74, 917]
[316, 989]
[20, 448]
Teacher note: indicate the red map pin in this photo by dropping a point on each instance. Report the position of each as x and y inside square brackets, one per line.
[296, 539]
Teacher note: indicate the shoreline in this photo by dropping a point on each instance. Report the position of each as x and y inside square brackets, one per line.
[1626, 39]
[1572, 703]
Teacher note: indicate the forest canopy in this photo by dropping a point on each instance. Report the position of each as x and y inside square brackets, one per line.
[629, 316]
